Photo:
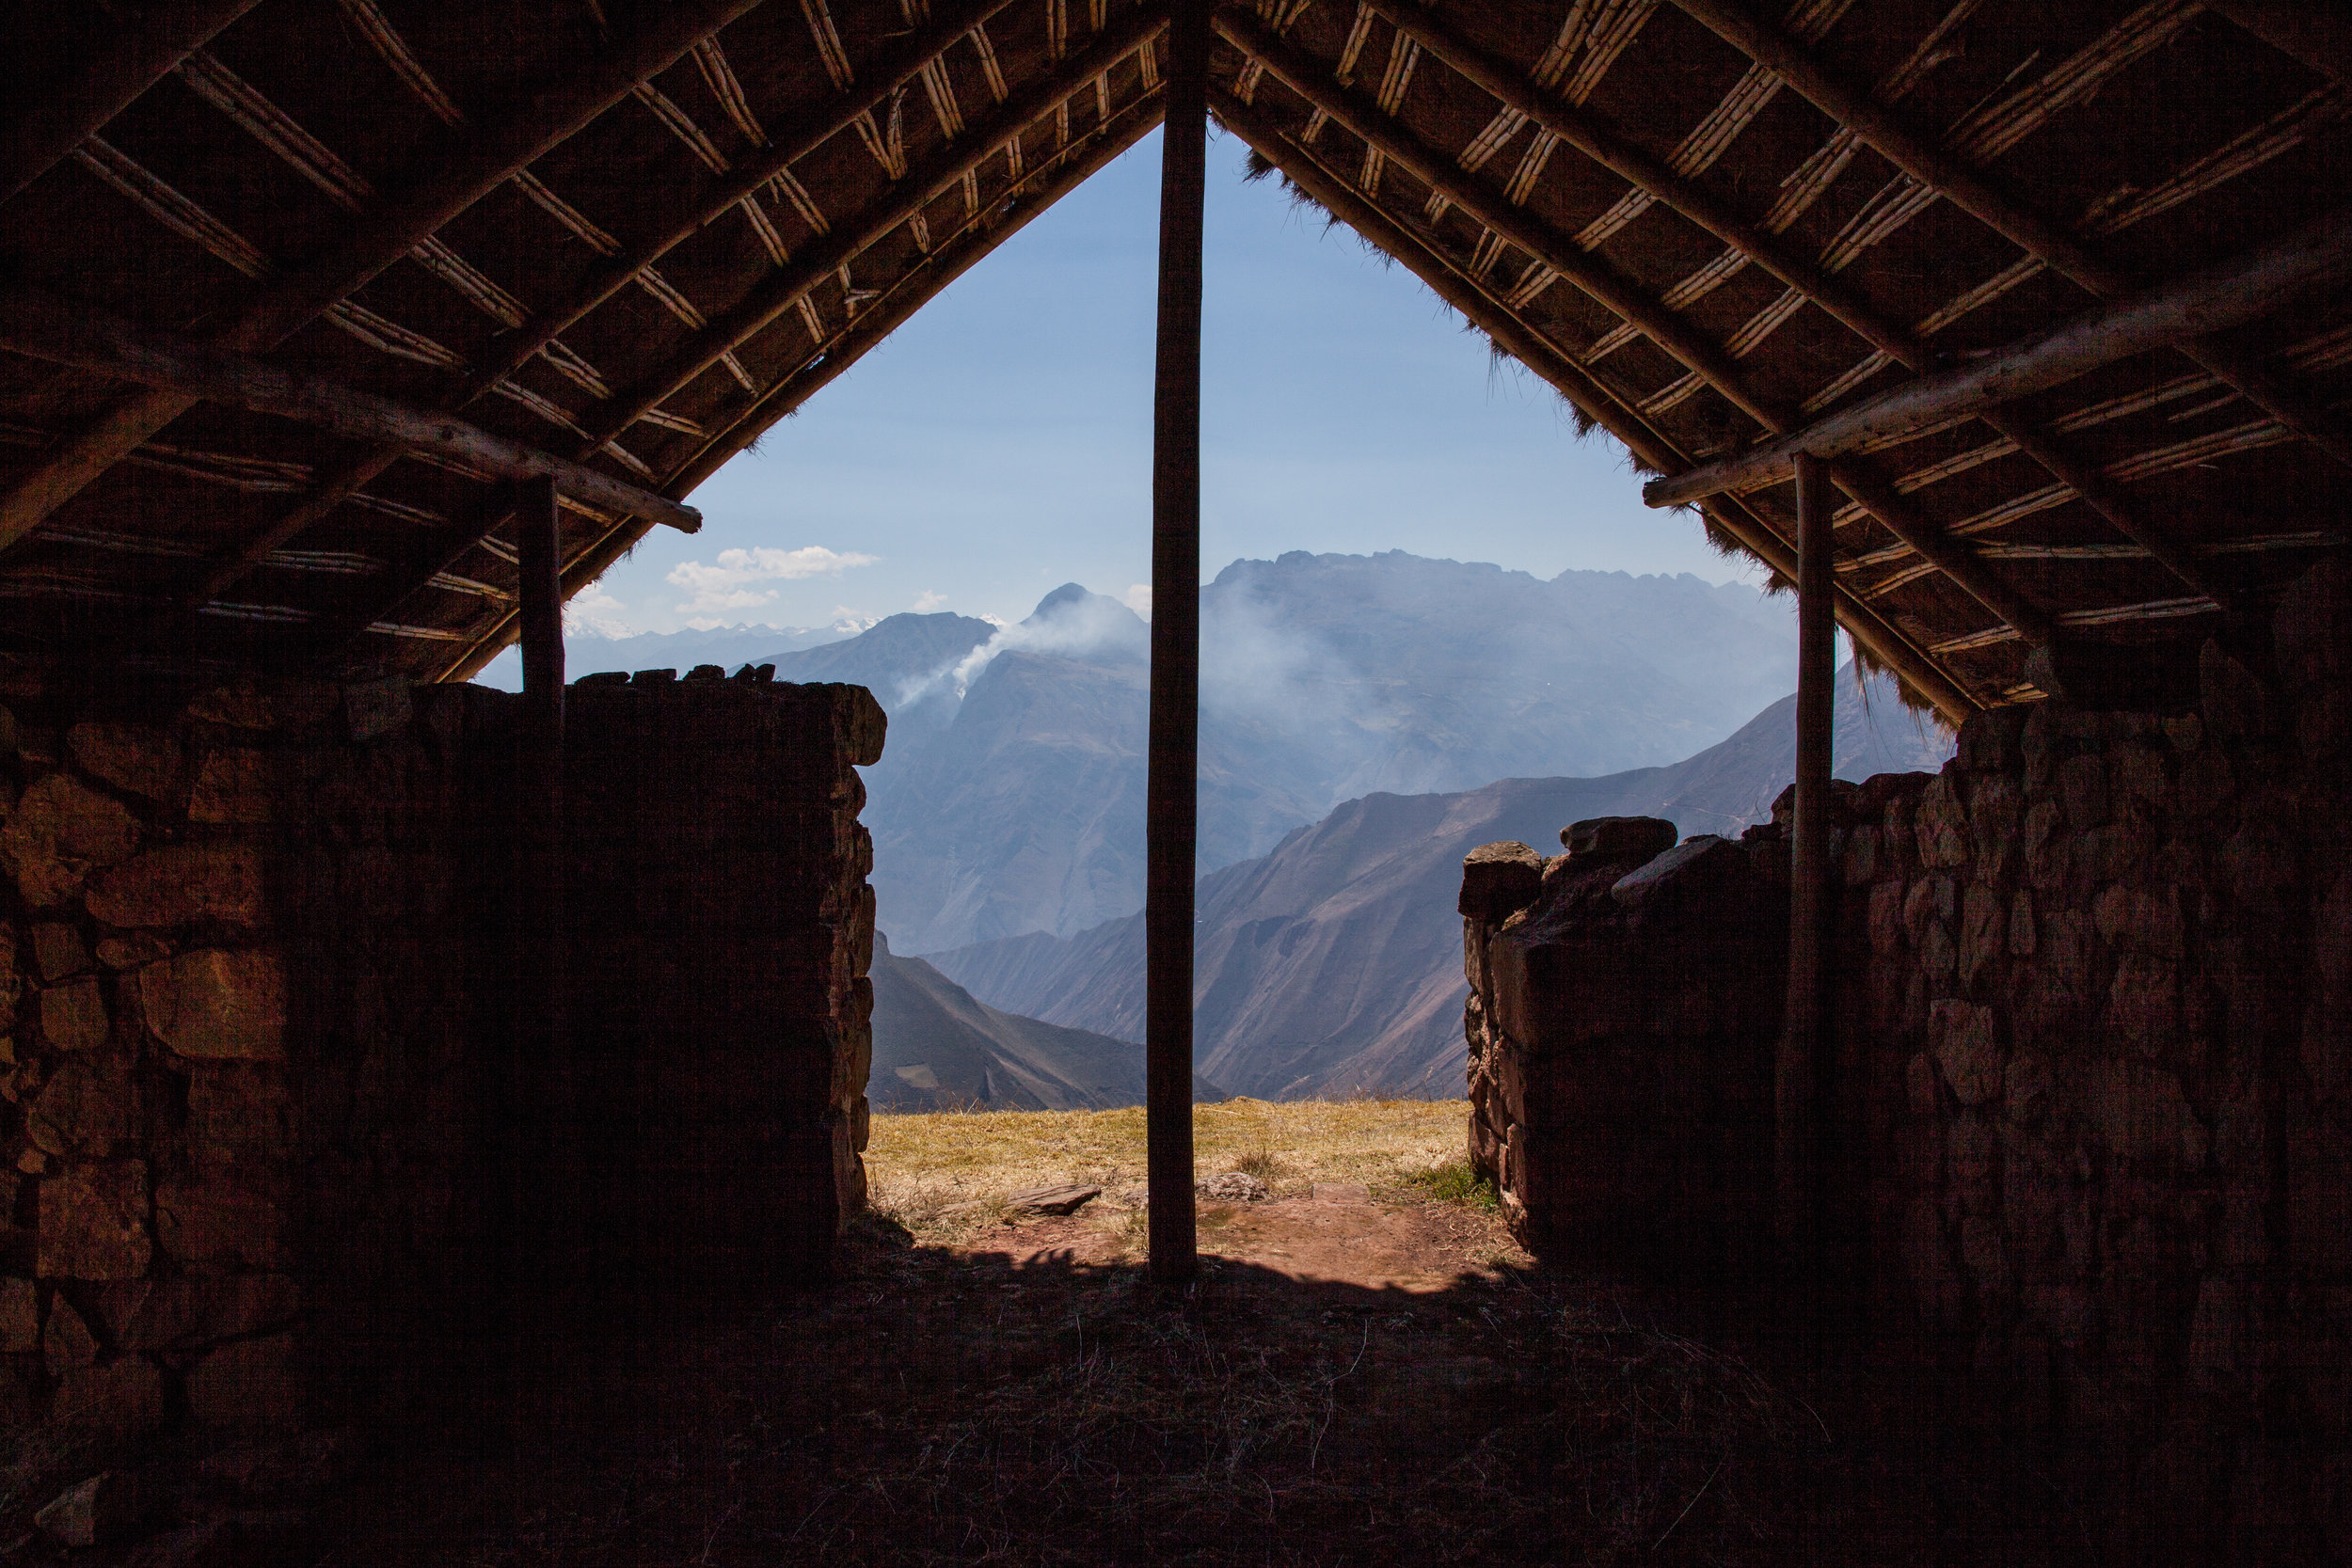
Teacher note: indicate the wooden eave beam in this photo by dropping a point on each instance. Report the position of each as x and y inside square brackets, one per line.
[875, 322]
[43, 326]
[2317, 32]
[783, 290]
[1955, 182]
[475, 164]
[1877, 635]
[1660, 325]
[902, 65]
[2219, 299]
[147, 46]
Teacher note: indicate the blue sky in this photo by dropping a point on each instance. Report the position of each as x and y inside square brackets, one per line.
[999, 444]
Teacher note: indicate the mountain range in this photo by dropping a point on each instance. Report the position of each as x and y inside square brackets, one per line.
[1333, 964]
[1010, 795]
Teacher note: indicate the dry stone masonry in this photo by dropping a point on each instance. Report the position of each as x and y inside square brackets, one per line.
[2088, 1120]
[256, 1007]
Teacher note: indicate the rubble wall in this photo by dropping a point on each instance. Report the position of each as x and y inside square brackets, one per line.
[256, 970]
[2088, 1127]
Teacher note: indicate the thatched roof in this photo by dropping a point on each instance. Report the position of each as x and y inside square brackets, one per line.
[634, 237]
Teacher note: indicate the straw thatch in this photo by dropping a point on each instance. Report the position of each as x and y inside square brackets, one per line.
[636, 237]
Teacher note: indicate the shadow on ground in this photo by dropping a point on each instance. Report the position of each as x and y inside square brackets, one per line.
[933, 1404]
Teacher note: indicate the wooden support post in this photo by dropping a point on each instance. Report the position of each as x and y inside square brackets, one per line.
[1803, 1028]
[1171, 791]
[546, 1255]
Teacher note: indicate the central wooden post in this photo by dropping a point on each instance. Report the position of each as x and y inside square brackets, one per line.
[1801, 1051]
[1171, 800]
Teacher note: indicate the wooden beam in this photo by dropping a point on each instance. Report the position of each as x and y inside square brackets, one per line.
[1172, 788]
[475, 162]
[2317, 32]
[879, 319]
[783, 290]
[141, 50]
[2219, 299]
[1800, 1054]
[1664, 326]
[1469, 296]
[43, 327]
[1950, 178]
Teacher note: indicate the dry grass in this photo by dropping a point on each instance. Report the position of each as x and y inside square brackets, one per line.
[943, 1173]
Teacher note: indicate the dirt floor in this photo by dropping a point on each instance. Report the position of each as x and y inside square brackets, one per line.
[1365, 1371]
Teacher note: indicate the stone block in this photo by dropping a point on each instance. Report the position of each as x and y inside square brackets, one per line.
[218, 1223]
[1983, 932]
[58, 951]
[93, 1222]
[61, 832]
[2144, 1006]
[2319, 1201]
[196, 1310]
[20, 1316]
[252, 1386]
[2139, 773]
[2083, 790]
[66, 1340]
[132, 951]
[2236, 703]
[235, 1108]
[1499, 879]
[1941, 826]
[241, 704]
[138, 759]
[2027, 1090]
[1635, 838]
[2139, 1114]
[2024, 935]
[99, 1511]
[376, 708]
[233, 787]
[118, 1401]
[2140, 920]
[1988, 742]
[217, 1003]
[1963, 1038]
[91, 1103]
[181, 884]
[73, 1017]
[1996, 812]
[1887, 933]
[1698, 867]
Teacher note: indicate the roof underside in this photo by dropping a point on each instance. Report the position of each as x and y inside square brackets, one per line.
[636, 238]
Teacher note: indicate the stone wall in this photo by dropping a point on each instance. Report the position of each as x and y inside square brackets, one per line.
[2088, 1121]
[256, 1005]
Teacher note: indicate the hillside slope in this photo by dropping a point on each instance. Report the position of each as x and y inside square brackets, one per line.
[1334, 963]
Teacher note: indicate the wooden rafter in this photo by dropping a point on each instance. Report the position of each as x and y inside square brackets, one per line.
[43, 326]
[470, 167]
[144, 49]
[1047, 185]
[1474, 298]
[2318, 255]
[782, 291]
[1949, 177]
[1670, 331]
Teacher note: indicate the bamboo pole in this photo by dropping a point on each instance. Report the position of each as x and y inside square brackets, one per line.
[2236, 292]
[40, 325]
[1800, 1054]
[1172, 785]
[145, 48]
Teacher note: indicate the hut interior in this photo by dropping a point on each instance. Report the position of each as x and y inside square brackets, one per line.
[341, 342]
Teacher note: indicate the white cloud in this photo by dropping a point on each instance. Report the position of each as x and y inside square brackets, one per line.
[846, 619]
[729, 584]
[931, 599]
[1087, 624]
[1138, 598]
[597, 614]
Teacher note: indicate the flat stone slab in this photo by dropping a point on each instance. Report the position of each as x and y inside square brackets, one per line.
[1052, 1200]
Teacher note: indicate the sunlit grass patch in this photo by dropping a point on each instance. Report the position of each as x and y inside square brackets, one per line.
[1455, 1182]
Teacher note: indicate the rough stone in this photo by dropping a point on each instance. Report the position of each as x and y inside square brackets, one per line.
[217, 1223]
[1938, 957]
[2048, 860]
[191, 1310]
[61, 832]
[1499, 879]
[1941, 826]
[1963, 1040]
[2312, 630]
[2236, 702]
[1619, 837]
[1233, 1186]
[217, 1003]
[113, 1401]
[89, 1106]
[2027, 1090]
[241, 704]
[59, 952]
[2023, 936]
[73, 1017]
[97, 1512]
[2083, 787]
[231, 788]
[1988, 742]
[1698, 861]
[1995, 809]
[292, 1470]
[1887, 930]
[138, 759]
[250, 1386]
[376, 708]
[130, 952]
[237, 1108]
[2144, 1003]
[1064, 1199]
[1983, 926]
[93, 1222]
[20, 1316]
[2140, 920]
[181, 884]
[65, 1341]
